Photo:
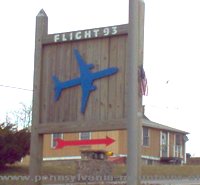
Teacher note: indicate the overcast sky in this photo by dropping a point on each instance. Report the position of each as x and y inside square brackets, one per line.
[171, 52]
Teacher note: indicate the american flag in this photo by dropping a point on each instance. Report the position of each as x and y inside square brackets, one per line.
[143, 82]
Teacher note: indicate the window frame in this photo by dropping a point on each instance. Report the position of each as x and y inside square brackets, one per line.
[80, 137]
[52, 139]
[145, 137]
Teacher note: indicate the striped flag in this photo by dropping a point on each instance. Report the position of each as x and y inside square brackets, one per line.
[143, 82]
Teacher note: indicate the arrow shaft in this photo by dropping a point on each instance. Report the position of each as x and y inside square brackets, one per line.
[84, 142]
[62, 143]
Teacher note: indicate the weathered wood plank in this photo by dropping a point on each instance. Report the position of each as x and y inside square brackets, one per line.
[97, 54]
[120, 81]
[90, 49]
[36, 138]
[112, 79]
[67, 65]
[47, 65]
[73, 92]
[63, 63]
[81, 126]
[86, 34]
[104, 82]
[58, 64]
[126, 82]
[51, 58]
[81, 46]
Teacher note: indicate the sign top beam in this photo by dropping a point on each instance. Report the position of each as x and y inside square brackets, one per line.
[86, 34]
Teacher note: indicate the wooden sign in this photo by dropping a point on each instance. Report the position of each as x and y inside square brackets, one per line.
[80, 84]
[80, 79]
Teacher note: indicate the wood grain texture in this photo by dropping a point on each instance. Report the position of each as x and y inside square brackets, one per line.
[36, 148]
[120, 79]
[104, 82]
[106, 103]
[81, 126]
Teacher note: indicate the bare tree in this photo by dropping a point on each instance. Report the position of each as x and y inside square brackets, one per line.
[22, 117]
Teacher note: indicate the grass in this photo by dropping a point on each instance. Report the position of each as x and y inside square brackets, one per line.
[49, 169]
[23, 170]
[55, 169]
[14, 170]
[171, 170]
[163, 170]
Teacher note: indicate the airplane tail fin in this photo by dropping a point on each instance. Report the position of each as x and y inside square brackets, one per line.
[57, 87]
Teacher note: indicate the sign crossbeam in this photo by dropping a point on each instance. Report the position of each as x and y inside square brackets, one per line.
[86, 34]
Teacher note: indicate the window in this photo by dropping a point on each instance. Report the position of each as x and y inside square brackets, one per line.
[53, 137]
[178, 139]
[178, 145]
[178, 151]
[84, 135]
[145, 136]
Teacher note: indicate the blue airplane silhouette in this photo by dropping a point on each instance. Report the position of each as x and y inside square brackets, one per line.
[85, 80]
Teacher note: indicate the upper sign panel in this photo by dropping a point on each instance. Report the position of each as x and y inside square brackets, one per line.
[61, 69]
[81, 80]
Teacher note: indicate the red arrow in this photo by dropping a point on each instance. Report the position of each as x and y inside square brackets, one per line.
[62, 143]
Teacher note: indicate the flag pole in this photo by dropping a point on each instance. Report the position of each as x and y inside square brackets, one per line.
[133, 126]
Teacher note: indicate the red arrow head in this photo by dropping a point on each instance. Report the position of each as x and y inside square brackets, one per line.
[109, 141]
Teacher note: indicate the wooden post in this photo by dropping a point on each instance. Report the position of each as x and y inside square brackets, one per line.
[36, 152]
[135, 57]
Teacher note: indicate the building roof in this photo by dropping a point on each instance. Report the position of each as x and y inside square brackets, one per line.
[148, 123]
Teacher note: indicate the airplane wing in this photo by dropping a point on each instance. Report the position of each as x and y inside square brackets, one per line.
[84, 68]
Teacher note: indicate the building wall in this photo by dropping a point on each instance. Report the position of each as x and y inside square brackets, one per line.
[48, 151]
[171, 144]
[123, 142]
[118, 147]
[114, 147]
[154, 144]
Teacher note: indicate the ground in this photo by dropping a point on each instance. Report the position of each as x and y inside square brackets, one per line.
[159, 171]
